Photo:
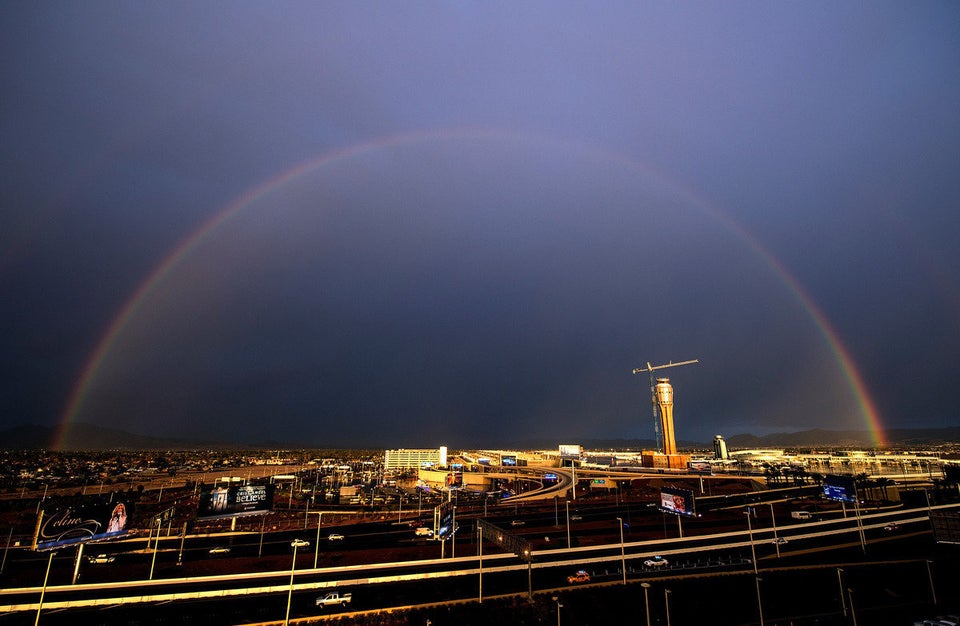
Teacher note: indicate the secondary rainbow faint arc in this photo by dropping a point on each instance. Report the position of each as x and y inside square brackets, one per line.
[192, 241]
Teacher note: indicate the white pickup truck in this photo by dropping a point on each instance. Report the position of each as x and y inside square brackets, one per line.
[334, 598]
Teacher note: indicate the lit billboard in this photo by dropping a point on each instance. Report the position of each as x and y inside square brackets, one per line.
[508, 459]
[678, 501]
[235, 500]
[839, 487]
[443, 517]
[570, 450]
[84, 522]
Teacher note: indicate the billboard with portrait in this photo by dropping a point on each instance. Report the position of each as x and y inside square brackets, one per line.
[83, 522]
[235, 500]
[678, 501]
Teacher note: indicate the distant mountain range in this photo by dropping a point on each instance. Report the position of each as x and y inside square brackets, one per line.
[83, 436]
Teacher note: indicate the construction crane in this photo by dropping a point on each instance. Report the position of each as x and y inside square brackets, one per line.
[653, 393]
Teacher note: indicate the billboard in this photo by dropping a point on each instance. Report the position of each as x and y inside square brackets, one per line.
[508, 459]
[454, 480]
[678, 501]
[443, 518]
[570, 450]
[235, 500]
[84, 522]
[839, 487]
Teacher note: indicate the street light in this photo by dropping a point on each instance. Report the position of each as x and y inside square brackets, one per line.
[666, 601]
[753, 550]
[853, 613]
[773, 519]
[559, 606]
[293, 568]
[623, 557]
[646, 600]
[568, 524]
[843, 600]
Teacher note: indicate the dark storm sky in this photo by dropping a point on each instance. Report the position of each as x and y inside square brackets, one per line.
[503, 208]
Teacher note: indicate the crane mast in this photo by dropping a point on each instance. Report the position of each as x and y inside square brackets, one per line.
[653, 394]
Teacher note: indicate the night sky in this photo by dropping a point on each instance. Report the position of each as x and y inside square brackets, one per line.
[466, 223]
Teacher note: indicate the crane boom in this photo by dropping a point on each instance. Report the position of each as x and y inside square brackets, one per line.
[651, 368]
[653, 393]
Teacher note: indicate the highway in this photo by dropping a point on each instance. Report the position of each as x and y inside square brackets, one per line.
[379, 586]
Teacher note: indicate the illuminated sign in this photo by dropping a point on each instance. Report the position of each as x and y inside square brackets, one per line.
[85, 522]
[508, 460]
[444, 522]
[841, 488]
[235, 501]
[454, 480]
[678, 501]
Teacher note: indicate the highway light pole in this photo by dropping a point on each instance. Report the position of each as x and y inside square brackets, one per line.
[568, 524]
[44, 589]
[776, 540]
[753, 554]
[623, 556]
[293, 568]
[559, 606]
[853, 613]
[316, 551]
[156, 545]
[933, 590]
[843, 600]
[480, 556]
[646, 600]
[666, 601]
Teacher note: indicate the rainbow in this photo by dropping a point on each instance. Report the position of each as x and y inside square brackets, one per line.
[128, 312]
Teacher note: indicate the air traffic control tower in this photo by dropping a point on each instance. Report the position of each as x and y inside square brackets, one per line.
[664, 391]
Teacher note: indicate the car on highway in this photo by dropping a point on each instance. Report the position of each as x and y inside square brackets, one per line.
[219, 550]
[102, 559]
[891, 527]
[576, 518]
[334, 537]
[299, 543]
[580, 576]
[779, 541]
[657, 561]
[517, 522]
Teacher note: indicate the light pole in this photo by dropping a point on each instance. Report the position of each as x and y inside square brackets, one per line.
[646, 600]
[156, 546]
[843, 600]
[753, 554]
[480, 556]
[666, 601]
[933, 591]
[293, 568]
[559, 606]
[623, 556]
[316, 551]
[568, 524]
[853, 613]
[44, 589]
[773, 519]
